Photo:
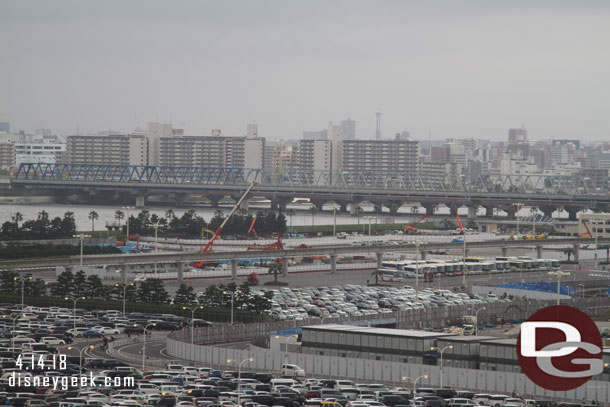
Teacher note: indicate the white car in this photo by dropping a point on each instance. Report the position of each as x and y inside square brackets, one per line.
[51, 340]
[106, 330]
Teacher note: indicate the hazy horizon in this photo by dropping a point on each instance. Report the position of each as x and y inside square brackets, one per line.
[437, 69]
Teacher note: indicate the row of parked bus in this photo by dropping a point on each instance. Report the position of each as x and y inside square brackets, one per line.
[427, 269]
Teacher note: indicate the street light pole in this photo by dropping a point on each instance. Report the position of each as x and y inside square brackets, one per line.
[193, 309]
[442, 350]
[232, 297]
[124, 293]
[416, 271]
[75, 300]
[23, 280]
[476, 318]
[415, 383]
[144, 345]
[156, 226]
[334, 221]
[558, 274]
[80, 354]
[127, 209]
[239, 380]
[464, 261]
[82, 240]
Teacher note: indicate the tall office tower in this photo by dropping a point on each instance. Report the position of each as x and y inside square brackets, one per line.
[516, 136]
[154, 133]
[378, 128]
[348, 129]
[252, 130]
[336, 149]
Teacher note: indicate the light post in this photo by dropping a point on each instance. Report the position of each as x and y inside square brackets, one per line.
[232, 293]
[23, 280]
[144, 345]
[476, 319]
[124, 293]
[558, 274]
[370, 218]
[285, 342]
[82, 240]
[74, 300]
[442, 350]
[156, 226]
[417, 271]
[193, 309]
[404, 379]
[239, 375]
[517, 213]
[464, 260]
[415, 383]
[80, 354]
[582, 290]
[127, 209]
[14, 319]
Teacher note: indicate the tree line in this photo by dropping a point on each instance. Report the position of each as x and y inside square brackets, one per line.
[150, 291]
[191, 225]
[42, 227]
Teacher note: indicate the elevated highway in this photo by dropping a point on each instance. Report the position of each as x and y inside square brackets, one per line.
[333, 252]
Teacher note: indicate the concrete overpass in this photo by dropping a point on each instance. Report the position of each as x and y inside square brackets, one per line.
[116, 261]
[89, 182]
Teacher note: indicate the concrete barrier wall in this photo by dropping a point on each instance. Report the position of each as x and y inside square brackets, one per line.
[361, 370]
[539, 295]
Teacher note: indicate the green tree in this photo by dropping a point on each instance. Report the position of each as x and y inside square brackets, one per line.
[8, 284]
[394, 207]
[17, 217]
[93, 216]
[376, 273]
[274, 268]
[79, 283]
[36, 288]
[94, 288]
[358, 210]
[378, 208]
[185, 295]
[313, 210]
[63, 285]
[118, 215]
[152, 291]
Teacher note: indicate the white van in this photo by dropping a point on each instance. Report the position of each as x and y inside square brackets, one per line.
[292, 370]
[468, 330]
[283, 382]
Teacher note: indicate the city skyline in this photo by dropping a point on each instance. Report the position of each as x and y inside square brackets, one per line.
[438, 71]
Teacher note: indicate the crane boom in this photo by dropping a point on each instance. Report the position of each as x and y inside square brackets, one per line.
[224, 222]
[410, 227]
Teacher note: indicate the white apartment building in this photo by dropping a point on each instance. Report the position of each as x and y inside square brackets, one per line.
[154, 133]
[315, 158]
[389, 156]
[8, 157]
[38, 152]
[116, 149]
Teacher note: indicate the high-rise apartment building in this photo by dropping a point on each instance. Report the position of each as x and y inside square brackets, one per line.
[5, 127]
[314, 159]
[348, 129]
[8, 157]
[154, 133]
[389, 156]
[516, 136]
[38, 152]
[117, 149]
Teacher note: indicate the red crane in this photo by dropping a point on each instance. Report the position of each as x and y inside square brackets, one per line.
[588, 232]
[411, 228]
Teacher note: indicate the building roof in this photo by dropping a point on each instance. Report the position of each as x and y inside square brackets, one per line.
[379, 331]
[470, 338]
[501, 342]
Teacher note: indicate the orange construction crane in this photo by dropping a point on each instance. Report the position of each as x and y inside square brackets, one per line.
[252, 227]
[587, 233]
[411, 228]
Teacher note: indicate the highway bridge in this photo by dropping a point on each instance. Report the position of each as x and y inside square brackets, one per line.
[183, 258]
[93, 182]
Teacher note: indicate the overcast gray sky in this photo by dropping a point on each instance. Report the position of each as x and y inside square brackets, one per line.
[445, 68]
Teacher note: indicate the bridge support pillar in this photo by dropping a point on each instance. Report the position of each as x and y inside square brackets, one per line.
[318, 204]
[181, 266]
[422, 255]
[489, 211]
[548, 210]
[466, 252]
[573, 213]
[472, 212]
[343, 206]
[577, 253]
[511, 211]
[505, 251]
[140, 201]
[333, 263]
[430, 209]
[233, 269]
[379, 259]
[453, 210]
[285, 266]
[244, 204]
[353, 208]
[214, 201]
[539, 251]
